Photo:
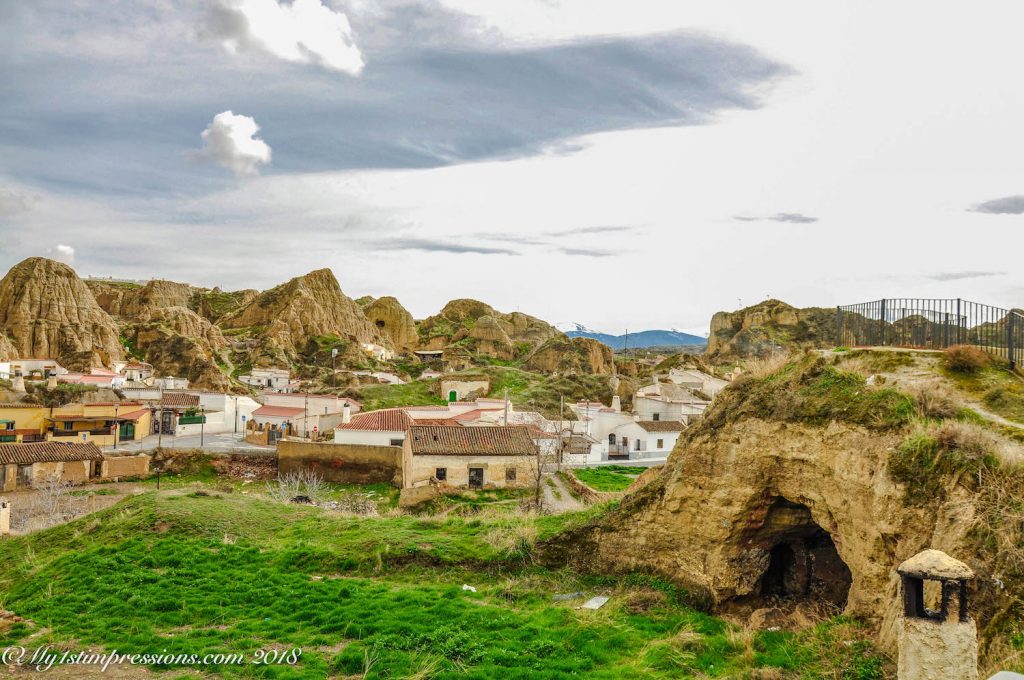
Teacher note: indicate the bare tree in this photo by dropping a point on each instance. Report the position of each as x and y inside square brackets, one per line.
[298, 484]
[543, 462]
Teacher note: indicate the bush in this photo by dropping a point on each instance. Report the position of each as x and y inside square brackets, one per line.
[965, 359]
[933, 400]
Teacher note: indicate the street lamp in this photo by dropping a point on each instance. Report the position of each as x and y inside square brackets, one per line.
[202, 424]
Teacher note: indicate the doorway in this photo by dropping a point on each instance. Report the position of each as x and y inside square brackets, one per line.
[476, 478]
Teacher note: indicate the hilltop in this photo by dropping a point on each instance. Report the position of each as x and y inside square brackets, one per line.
[769, 327]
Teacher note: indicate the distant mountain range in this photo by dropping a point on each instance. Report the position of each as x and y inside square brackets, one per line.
[639, 340]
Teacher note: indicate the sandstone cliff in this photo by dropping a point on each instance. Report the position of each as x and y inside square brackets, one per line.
[302, 310]
[572, 355]
[134, 301]
[47, 311]
[760, 329]
[500, 336]
[388, 315]
[179, 342]
[797, 486]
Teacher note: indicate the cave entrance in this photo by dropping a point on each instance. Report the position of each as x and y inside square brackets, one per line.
[803, 563]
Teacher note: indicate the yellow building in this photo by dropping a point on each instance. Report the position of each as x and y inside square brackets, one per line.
[97, 422]
[22, 423]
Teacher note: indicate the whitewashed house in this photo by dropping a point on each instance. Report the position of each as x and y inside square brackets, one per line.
[644, 439]
[274, 379]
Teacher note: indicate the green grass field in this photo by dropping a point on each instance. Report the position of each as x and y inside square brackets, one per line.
[374, 598]
[609, 477]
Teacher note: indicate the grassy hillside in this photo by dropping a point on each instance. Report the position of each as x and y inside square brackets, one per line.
[374, 597]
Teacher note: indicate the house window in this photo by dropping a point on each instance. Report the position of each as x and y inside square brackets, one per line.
[441, 474]
[611, 439]
[510, 474]
[396, 442]
[661, 443]
[637, 448]
[657, 416]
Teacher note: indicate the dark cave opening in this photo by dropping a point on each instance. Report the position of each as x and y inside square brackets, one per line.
[803, 562]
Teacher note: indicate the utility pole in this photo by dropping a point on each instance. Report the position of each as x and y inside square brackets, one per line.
[160, 421]
[506, 406]
[305, 415]
[117, 406]
[202, 425]
[561, 430]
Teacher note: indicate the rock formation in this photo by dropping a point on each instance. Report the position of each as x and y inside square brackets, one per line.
[388, 315]
[303, 309]
[572, 355]
[785, 491]
[179, 342]
[48, 312]
[758, 330]
[133, 302]
[500, 336]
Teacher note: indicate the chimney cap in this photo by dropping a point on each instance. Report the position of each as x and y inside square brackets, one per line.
[935, 564]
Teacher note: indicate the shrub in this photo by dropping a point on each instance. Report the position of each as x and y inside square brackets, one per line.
[965, 359]
[928, 458]
[933, 400]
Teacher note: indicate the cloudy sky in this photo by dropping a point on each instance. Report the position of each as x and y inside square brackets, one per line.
[637, 164]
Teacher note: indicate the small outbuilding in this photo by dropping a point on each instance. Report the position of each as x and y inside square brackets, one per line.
[468, 457]
[25, 464]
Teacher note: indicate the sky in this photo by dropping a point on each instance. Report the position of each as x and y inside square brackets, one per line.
[620, 165]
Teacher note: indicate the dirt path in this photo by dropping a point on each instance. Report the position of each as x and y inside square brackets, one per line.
[557, 498]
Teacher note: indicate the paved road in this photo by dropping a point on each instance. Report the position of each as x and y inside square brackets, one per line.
[228, 441]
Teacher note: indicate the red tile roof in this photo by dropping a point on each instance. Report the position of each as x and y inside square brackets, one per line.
[177, 400]
[661, 425]
[47, 452]
[383, 420]
[278, 411]
[515, 440]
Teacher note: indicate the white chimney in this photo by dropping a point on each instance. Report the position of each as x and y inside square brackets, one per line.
[5, 517]
[18, 383]
[51, 382]
[346, 413]
[616, 403]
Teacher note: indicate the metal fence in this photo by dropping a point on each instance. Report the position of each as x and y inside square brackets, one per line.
[933, 324]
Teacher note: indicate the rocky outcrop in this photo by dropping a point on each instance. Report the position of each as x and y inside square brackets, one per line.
[214, 304]
[769, 326]
[302, 310]
[388, 315]
[48, 312]
[484, 331]
[179, 342]
[572, 355]
[129, 301]
[770, 499]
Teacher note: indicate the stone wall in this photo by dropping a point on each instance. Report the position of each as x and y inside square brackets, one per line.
[420, 469]
[126, 466]
[342, 463]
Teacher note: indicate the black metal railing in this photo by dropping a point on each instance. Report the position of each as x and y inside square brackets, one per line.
[933, 324]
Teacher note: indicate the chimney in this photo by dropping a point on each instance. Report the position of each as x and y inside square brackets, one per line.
[939, 643]
[346, 413]
[51, 381]
[5, 517]
[18, 383]
[617, 403]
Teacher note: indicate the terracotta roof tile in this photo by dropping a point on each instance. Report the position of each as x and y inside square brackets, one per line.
[661, 425]
[46, 452]
[278, 411]
[383, 420]
[514, 440]
[177, 400]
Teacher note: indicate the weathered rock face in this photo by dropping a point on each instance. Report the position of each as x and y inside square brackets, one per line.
[388, 315]
[499, 336]
[130, 302]
[179, 342]
[758, 330]
[301, 310]
[572, 355]
[47, 311]
[214, 304]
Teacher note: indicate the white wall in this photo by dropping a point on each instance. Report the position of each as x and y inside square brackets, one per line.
[367, 437]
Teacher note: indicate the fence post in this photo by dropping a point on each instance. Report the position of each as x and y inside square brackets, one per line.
[1009, 339]
[839, 326]
[946, 340]
[882, 324]
[959, 324]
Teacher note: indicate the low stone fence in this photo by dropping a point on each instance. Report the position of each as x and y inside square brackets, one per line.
[136, 465]
[342, 463]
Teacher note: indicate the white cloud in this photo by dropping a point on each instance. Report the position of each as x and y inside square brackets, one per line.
[230, 140]
[13, 202]
[304, 31]
[65, 254]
